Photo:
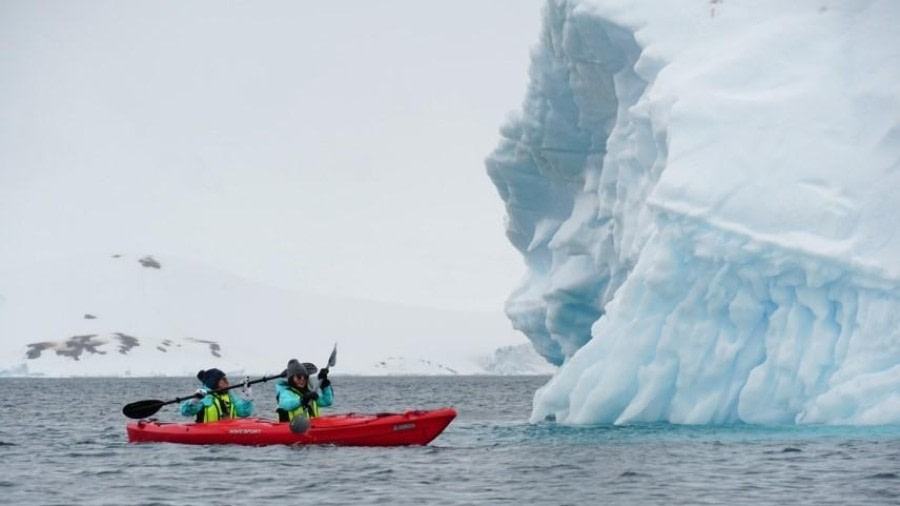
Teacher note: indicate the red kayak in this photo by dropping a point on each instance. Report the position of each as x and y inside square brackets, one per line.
[382, 429]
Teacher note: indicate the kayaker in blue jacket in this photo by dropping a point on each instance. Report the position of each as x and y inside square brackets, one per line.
[295, 397]
[210, 406]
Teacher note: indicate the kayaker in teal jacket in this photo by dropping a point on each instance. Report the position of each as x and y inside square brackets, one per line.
[295, 397]
[210, 406]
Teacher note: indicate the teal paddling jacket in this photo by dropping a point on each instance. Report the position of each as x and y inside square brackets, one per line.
[242, 407]
[288, 400]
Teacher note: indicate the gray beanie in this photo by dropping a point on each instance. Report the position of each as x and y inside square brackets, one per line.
[294, 367]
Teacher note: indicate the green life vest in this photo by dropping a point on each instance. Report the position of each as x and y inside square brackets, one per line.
[310, 410]
[221, 409]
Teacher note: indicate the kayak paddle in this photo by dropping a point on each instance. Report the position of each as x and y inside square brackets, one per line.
[300, 424]
[143, 409]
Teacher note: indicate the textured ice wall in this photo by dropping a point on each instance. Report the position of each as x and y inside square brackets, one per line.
[728, 173]
[575, 212]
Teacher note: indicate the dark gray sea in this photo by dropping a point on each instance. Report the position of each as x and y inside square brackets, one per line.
[63, 442]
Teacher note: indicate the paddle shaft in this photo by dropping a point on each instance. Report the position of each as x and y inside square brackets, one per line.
[332, 360]
[229, 387]
[143, 409]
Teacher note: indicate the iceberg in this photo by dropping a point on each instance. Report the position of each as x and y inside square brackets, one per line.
[705, 198]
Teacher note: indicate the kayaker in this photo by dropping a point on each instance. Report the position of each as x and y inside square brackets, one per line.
[294, 395]
[207, 405]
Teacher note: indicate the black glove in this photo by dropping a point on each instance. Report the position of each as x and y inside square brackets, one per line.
[311, 396]
[325, 383]
[323, 374]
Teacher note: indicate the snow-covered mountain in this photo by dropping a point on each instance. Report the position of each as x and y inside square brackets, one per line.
[705, 196]
[145, 315]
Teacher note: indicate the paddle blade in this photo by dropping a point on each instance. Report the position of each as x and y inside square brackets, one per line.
[300, 424]
[332, 359]
[142, 409]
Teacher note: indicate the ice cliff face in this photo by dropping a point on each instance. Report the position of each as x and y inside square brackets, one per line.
[705, 195]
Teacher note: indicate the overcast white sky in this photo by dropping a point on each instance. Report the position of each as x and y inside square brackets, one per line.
[328, 146]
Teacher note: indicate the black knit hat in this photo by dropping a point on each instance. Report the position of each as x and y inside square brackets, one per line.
[210, 377]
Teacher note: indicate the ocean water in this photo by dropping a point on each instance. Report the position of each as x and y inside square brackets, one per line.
[63, 442]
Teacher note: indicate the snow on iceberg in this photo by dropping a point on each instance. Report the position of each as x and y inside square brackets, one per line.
[705, 196]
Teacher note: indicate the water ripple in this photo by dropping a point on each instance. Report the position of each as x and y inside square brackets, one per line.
[489, 455]
[632, 474]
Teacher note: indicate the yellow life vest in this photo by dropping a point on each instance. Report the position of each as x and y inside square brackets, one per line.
[310, 410]
[221, 409]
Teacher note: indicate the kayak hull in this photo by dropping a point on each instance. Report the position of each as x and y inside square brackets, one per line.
[352, 429]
